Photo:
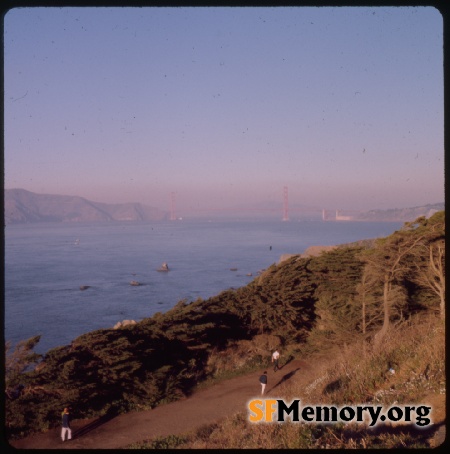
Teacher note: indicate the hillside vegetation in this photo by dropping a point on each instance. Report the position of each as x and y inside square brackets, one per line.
[355, 297]
[343, 376]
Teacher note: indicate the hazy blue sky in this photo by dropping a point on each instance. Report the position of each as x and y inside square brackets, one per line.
[226, 106]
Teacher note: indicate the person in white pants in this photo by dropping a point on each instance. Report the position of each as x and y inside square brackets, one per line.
[66, 425]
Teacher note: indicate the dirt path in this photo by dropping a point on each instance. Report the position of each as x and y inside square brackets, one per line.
[203, 407]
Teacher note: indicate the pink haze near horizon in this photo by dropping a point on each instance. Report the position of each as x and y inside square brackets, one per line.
[226, 106]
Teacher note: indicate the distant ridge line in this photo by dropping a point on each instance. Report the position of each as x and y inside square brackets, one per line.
[25, 207]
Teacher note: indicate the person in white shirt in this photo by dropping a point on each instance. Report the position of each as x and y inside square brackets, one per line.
[275, 358]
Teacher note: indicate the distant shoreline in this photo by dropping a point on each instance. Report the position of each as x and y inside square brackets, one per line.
[25, 207]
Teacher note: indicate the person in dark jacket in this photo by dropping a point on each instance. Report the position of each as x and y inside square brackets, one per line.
[263, 381]
[66, 425]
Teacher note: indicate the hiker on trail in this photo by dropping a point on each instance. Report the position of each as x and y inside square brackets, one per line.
[275, 357]
[66, 425]
[263, 381]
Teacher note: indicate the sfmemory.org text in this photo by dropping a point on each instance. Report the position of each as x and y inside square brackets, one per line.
[276, 410]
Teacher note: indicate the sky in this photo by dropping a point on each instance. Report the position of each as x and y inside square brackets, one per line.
[226, 106]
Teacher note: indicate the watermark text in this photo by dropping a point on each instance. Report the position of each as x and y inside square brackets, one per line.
[277, 410]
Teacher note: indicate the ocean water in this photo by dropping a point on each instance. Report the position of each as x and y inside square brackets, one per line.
[45, 265]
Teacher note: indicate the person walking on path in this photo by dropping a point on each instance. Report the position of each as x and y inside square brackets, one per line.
[263, 381]
[275, 358]
[66, 425]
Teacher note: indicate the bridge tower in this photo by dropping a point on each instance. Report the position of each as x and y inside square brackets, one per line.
[285, 204]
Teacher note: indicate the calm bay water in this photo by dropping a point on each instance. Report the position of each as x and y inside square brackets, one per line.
[45, 265]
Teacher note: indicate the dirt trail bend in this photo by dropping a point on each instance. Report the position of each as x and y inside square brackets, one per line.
[203, 407]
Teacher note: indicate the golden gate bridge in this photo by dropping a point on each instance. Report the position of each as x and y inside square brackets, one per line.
[327, 215]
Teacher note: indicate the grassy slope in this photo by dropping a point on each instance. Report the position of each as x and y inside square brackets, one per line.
[341, 376]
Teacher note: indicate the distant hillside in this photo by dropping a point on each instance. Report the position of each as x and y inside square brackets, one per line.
[400, 214]
[22, 206]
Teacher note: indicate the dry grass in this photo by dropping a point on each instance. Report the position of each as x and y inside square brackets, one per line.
[415, 350]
